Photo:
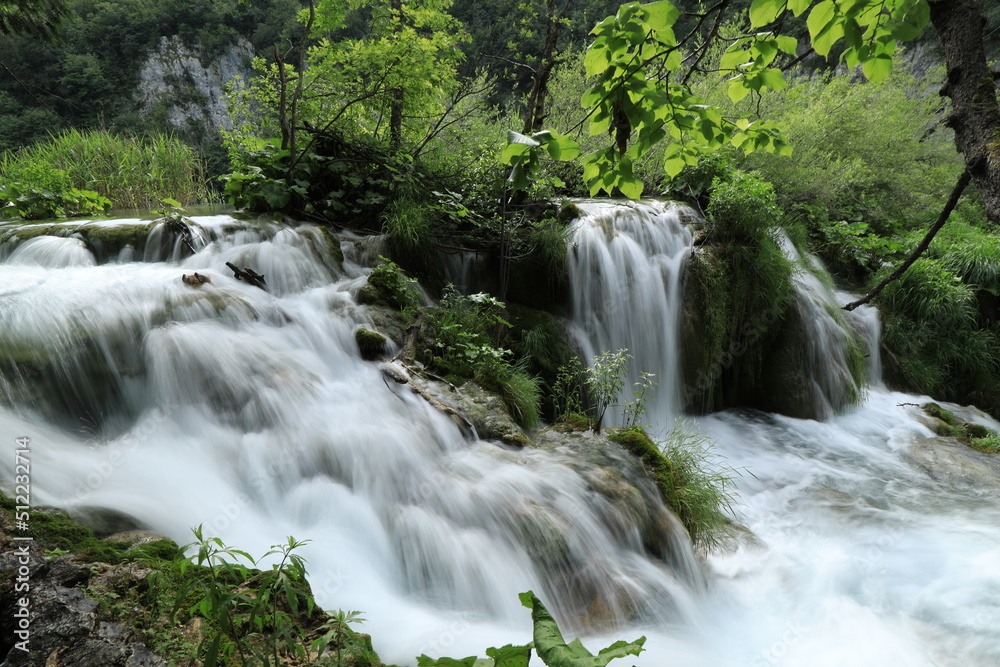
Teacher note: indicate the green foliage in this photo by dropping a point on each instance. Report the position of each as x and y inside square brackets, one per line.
[548, 641]
[393, 287]
[32, 203]
[466, 334]
[605, 379]
[409, 234]
[988, 445]
[129, 171]
[744, 207]
[254, 615]
[634, 410]
[942, 331]
[692, 481]
[863, 153]
[568, 390]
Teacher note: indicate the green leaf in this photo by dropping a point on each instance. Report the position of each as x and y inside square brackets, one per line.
[555, 652]
[518, 138]
[512, 151]
[738, 90]
[798, 6]
[828, 37]
[877, 68]
[562, 148]
[787, 44]
[733, 59]
[660, 16]
[763, 12]
[819, 19]
[510, 656]
[773, 79]
[427, 661]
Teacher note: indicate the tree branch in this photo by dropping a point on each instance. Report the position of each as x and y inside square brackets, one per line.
[956, 193]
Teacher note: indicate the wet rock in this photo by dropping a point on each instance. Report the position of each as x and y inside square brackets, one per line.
[195, 279]
[485, 410]
[371, 344]
[954, 462]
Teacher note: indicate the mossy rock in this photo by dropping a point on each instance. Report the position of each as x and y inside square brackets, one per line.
[568, 212]
[574, 422]
[636, 441]
[935, 410]
[106, 241]
[371, 344]
[368, 295]
[976, 430]
[325, 244]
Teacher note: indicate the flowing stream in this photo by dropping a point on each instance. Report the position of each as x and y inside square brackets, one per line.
[252, 413]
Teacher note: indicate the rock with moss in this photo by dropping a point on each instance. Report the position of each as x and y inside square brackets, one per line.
[371, 344]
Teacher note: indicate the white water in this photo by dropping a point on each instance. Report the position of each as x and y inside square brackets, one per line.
[253, 414]
[625, 274]
[863, 557]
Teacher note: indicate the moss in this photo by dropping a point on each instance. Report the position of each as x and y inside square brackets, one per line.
[568, 212]
[988, 445]
[368, 295]
[392, 287]
[976, 430]
[574, 422]
[935, 410]
[639, 444]
[108, 240]
[371, 343]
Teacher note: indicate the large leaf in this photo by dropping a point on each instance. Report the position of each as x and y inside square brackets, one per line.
[763, 12]
[555, 652]
[510, 656]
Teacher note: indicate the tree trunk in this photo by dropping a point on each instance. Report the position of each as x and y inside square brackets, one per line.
[396, 105]
[534, 113]
[975, 111]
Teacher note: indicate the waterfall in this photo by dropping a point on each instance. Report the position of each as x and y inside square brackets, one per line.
[625, 268]
[252, 413]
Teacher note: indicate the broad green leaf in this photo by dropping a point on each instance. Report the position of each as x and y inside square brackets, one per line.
[733, 59]
[555, 652]
[828, 37]
[513, 151]
[661, 15]
[773, 79]
[738, 90]
[764, 51]
[562, 148]
[877, 68]
[798, 6]
[819, 19]
[787, 44]
[763, 12]
[510, 656]
[674, 60]
[518, 138]
[426, 661]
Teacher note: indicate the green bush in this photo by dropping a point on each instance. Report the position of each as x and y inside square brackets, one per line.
[466, 334]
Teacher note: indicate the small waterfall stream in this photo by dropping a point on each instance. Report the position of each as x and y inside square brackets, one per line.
[625, 270]
[252, 413]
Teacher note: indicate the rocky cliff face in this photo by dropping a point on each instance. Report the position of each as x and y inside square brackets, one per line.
[175, 81]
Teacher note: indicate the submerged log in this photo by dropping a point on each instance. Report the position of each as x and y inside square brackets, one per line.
[248, 275]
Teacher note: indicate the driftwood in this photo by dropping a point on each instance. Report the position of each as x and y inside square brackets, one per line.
[399, 377]
[248, 275]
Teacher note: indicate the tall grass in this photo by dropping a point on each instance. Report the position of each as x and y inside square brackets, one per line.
[133, 172]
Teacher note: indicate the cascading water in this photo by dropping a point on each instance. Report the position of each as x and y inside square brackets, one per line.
[872, 546]
[625, 275]
[252, 413]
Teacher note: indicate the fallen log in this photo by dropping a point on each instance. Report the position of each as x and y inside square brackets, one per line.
[248, 275]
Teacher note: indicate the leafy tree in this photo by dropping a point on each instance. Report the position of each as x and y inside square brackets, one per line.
[38, 19]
